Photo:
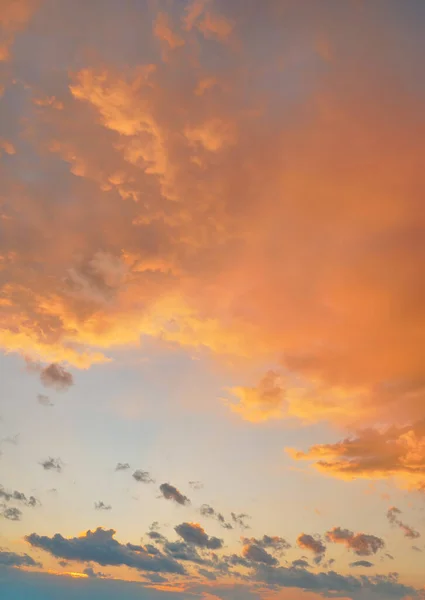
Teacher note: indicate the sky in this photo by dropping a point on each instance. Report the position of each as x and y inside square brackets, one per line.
[212, 302]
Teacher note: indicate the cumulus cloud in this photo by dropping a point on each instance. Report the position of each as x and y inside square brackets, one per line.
[11, 559]
[208, 511]
[52, 464]
[142, 476]
[276, 543]
[16, 496]
[313, 544]
[172, 493]
[393, 517]
[300, 563]
[361, 544]
[257, 554]
[193, 533]
[56, 376]
[100, 547]
[102, 506]
[260, 403]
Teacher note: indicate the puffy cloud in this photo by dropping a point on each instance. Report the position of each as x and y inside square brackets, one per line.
[257, 554]
[142, 476]
[183, 551]
[208, 511]
[102, 506]
[52, 464]
[300, 563]
[314, 544]
[396, 451]
[100, 547]
[122, 466]
[90, 572]
[172, 493]
[262, 402]
[361, 544]
[12, 513]
[56, 376]
[275, 542]
[11, 559]
[193, 533]
[393, 518]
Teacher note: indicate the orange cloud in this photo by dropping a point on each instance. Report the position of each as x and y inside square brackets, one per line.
[266, 401]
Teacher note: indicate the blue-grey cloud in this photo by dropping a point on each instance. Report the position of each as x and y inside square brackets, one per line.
[192, 533]
[102, 506]
[275, 542]
[393, 517]
[257, 554]
[100, 547]
[17, 496]
[300, 563]
[122, 466]
[11, 559]
[361, 563]
[196, 485]
[240, 520]
[208, 511]
[52, 464]
[142, 476]
[172, 493]
[56, 376]
[11, 513]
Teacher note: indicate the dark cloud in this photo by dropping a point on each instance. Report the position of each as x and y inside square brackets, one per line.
[192, 533]
[100, 547]
[393, 517]
[16, 496]
[257, 554]
[12, 513]
[102, 506]
[55, 376]
[314, 544]
[142, 476]
[208, 511]
[155, 578]
[361, 563]
[44, 400]
[11, 559]
[90, 572]
[333, 584]
[183, 551]
[239, 520]
[300, 563]
[207, 574]
[52, 464]
[196, 485]
[361, 544]
[277, 543]
[122, 466]
[172, 493]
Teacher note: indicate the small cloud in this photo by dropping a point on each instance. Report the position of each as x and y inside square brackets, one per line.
[362, 544]
[239, 519]
[416, 549]
[52, 464]
[314, 544]
[12, 514]
[196, 485]
[276, 543]
[122, 466]
[258, 554]
[102, 506]
[44, 400]
[16, 496]
[55, 376]
[208, 511]
[300, 563]
[172, 493]
[393, 518]
[361, 563]
[142, 476]
[193, 533]
[207, 574]
[11, 559]
[91, 573]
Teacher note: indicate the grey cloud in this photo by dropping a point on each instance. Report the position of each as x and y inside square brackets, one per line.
[142, 476]
[362, 544]
[208, 511]
[55, 376]
[12, 514]
[183, 551]
[102, 506]
[100, 547]
[172, 493]
[16, 496]
[361, 563]
[52, 464]
[392, 516]
[194, 534]
[239, 519]
[155, 578]
[314, 544]
[90, 572]
[122, 466]
[257, 554]
[11, 559]
[207, 574]
[44, 400]
[300, 563]
[277, 543]
[196, 485]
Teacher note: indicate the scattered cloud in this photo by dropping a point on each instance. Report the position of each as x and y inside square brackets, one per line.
[361, 563]
[56, 376]
[208, 511]
[193, 533]
[361, 544]
[11, 559]
[276, 543]
[196, 485]
[239, 520]
[12, 513]
[393, 517]
[44, 400]
[122, 466]
[172, 493]
[300, 563]
[257, 554]
[312, 543]
[102, 506]
[16, 496]
[142, 476]
[52, 464]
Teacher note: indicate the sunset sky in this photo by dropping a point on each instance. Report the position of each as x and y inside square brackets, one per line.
[212, 299]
